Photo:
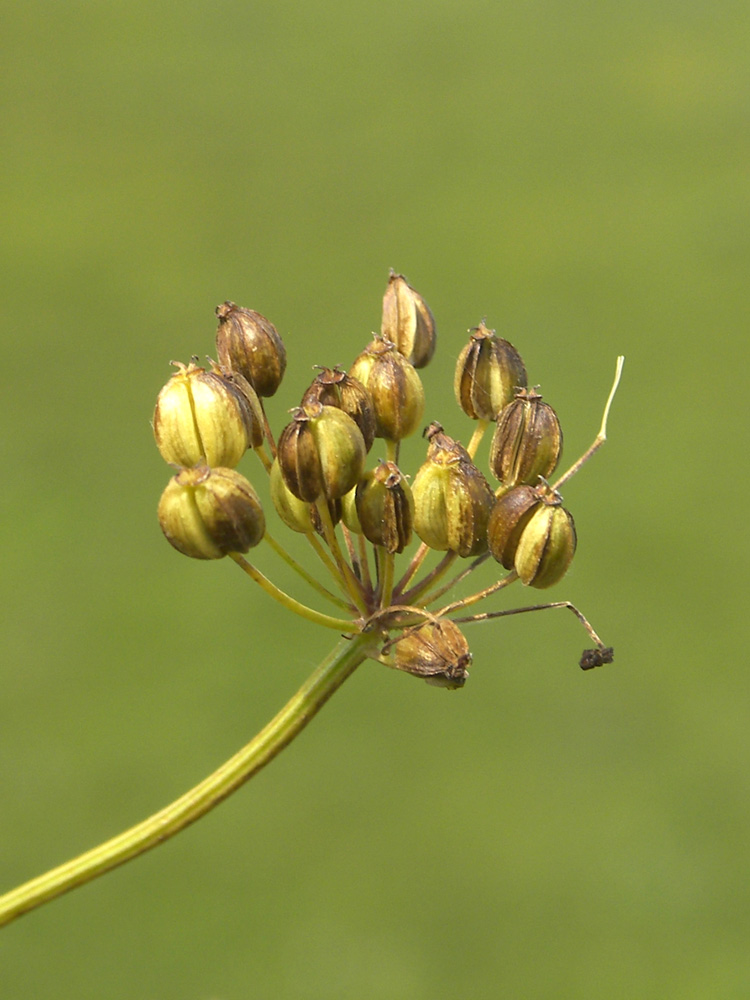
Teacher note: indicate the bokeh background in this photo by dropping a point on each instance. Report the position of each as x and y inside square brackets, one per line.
[578, 174]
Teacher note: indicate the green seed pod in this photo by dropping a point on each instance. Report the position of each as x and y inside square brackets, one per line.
[546, 547]
[437, 651]
[527, 442]
[385, 507]
[203, 416]
[333, 387]
[321, 453]
[408, 322]
[349, 512]
[509, 516]
[295, 513]
[248, 343]
[488, 371]
[394, 386]
[452, 499]
[206, 513]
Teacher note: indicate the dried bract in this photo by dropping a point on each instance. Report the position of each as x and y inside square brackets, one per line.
[437, 651]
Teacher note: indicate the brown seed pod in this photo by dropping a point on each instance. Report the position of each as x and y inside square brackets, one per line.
[488, 371]
[385, 507]
[333, 387]
[408, 322]
[321, 453]
[248, 343]
[546, 547]
[527, 442]
[394, 386]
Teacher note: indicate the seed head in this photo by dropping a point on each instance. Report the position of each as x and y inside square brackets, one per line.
[509, 516]
[295, 513]
[248, 343]
[488, 371]
[321, 453]
[333, 387]
[395, 389]
[206, 513]
[385, 507]
[408, 322]
[546, 547]
[452, 499]
[203, 416]
[527, 442]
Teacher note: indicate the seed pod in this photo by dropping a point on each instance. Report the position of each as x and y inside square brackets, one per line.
[527, 442]
[201, 415]
[206, 513]
[321, 453]
[394, 386]
[546, 546]
[295, 513]
[333, 387]
[437, 651]
[408, 322]
[452, 499]
[385, 507]
[349, 514]
[248, 343]
[257, 429]
[508, 518]
[488, 371]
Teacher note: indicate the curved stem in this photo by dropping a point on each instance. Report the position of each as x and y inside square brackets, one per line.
[466, 602]
[601, 437]
[340, 624]
[353, 586]
[454, 582]
[307, 577]
[279, 732]
[415, 593]
[477, 436]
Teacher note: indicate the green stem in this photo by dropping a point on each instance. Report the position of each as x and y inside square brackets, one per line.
[307, 577]
[466, 602]
[279, 732]
[327, 561]
[353, 586]
[414, 595]
[411, 570]
[385, 575]
[477, 436]
[427, 599]
[340, 624]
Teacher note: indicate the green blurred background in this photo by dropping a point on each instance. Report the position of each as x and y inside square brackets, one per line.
[578, 174]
